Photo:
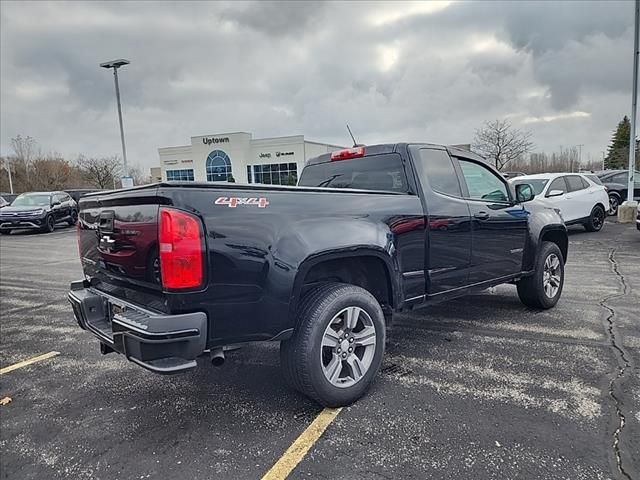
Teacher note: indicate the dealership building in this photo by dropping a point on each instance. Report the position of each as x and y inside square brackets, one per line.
[218, 157]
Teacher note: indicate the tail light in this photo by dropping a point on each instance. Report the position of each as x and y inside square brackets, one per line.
[348, 153]
[181, 245]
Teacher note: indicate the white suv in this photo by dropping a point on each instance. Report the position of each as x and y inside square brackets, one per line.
[580, 199]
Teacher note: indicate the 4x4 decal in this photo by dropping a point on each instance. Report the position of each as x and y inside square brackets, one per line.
[233, 202]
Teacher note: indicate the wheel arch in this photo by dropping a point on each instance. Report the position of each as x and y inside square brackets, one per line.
[557, 236]
[367, 267]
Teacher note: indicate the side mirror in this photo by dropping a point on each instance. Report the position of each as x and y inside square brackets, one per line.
[555, 193]
[524, 192]
[55, 204]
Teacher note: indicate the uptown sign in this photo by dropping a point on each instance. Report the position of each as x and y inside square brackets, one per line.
[210, 140]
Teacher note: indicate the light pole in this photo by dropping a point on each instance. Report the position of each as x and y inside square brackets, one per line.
[602, 152]
[116, 64]
[634, 105]
[627, 210]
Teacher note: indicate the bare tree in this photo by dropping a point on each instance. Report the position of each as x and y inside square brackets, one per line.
[138, 177]
[100, 172]
[499, 141]
[24, 148]
[51, 173]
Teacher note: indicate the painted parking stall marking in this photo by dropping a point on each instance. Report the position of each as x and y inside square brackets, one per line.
[298, 449]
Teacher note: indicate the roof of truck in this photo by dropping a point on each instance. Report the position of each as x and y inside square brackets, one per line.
[382, 148]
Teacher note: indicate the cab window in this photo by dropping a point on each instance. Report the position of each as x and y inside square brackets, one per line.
[437, 168]
[482, 183]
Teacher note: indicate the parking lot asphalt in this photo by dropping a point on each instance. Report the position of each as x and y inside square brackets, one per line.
[479, 387]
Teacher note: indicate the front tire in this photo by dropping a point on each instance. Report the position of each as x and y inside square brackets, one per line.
[49, 224]
[544, 287]
[596, 219]
[338, 345]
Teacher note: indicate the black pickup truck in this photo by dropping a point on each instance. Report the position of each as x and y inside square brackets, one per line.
[174, 271]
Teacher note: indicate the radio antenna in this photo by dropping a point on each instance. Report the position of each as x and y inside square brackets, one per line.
[355, 144]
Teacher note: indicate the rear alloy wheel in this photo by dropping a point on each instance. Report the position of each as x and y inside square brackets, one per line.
[338, 344]
[596, 219]
[73, 218]
[614, 202]
[544, 287]
[348, 347]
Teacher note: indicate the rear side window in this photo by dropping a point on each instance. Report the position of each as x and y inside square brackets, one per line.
[620, 178]
[376, 172]
[594, 179]
[558, 184]
[575, 183]
[437, 168]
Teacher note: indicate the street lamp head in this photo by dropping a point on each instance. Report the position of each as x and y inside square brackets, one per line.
[115, 63]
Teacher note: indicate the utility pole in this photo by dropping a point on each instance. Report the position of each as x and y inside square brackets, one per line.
[580, 156]
[602, 152]
[7, 167]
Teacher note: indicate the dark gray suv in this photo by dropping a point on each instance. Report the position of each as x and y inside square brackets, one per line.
[38, 211]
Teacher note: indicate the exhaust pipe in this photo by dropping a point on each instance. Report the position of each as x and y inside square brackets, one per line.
[217, 357]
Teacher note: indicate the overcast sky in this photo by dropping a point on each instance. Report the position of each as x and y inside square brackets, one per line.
[430, 71]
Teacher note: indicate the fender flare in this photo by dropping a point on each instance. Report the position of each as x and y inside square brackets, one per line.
[391, 269]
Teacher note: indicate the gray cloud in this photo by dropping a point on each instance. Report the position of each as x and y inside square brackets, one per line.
[279, 68]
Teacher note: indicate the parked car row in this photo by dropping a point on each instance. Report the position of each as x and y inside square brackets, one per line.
[38, 211]
[616, 182]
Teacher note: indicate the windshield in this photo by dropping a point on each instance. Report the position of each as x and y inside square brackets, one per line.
[376, 172]
[536, 183]
[32, 201]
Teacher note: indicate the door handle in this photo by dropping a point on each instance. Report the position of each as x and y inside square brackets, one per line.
[481, 215]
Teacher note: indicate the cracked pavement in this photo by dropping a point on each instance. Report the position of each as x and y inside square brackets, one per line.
[479, 387]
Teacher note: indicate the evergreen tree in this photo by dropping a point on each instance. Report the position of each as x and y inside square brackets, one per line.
[618, 150]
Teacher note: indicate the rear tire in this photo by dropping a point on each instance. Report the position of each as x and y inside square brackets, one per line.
[614, 202]
[73, 218]
[596, 219]
[544, 287]
[338, 344]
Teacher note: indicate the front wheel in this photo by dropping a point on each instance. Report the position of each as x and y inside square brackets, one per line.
[49, 224]
[338, 344]
[595, 220]
[544, 287]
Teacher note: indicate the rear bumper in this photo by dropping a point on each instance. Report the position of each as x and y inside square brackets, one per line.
[161, 343]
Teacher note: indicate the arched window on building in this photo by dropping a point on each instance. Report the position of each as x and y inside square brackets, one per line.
[218, 166]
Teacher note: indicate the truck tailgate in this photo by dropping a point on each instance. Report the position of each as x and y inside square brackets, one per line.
[118, 243]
